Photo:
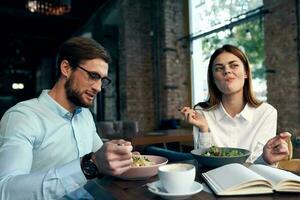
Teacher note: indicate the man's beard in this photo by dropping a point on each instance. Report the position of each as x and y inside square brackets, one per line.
[73, 95]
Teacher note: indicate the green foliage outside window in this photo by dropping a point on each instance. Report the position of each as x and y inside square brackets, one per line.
[247, 36]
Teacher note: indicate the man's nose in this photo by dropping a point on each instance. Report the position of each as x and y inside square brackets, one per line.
[97, 86]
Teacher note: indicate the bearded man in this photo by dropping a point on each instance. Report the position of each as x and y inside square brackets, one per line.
[49, 146]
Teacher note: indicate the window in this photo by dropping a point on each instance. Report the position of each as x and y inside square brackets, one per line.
[214, 23]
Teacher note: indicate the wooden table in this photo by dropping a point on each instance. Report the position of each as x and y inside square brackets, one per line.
[164, 136]
[110, 188]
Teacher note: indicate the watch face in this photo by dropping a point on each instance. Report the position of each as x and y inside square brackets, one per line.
[88, 167]
[91, 168]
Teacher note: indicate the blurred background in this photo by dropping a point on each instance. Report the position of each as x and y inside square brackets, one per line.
[159, 49]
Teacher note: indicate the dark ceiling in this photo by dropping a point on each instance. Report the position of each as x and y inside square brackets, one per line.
[29, 39]
[21, 27]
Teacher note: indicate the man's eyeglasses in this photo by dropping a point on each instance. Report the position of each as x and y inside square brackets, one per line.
[93, 76]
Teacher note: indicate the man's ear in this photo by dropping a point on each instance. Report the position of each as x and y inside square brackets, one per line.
[65, 68]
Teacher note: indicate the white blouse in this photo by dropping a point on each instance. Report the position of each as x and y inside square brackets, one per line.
[250, 129]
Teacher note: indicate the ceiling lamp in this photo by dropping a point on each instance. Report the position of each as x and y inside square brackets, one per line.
[49, 7]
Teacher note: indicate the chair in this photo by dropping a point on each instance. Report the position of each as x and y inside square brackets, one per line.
[117, 129]
[130, 129]
[172, 156]
[106, 129]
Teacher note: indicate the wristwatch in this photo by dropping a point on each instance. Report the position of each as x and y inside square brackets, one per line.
[88, 166]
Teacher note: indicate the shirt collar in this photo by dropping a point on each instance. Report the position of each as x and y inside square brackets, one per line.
[246, 113]
[220, 112]
[56, 107]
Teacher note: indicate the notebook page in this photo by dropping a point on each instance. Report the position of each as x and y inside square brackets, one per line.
[231, 176]
[274, 175]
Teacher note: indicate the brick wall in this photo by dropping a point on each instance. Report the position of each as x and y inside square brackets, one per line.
[176, 59]
[154, 63]
[139, 99]
[281, 45]
[136, 73]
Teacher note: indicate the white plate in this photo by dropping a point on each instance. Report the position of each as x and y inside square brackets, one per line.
[157, 188]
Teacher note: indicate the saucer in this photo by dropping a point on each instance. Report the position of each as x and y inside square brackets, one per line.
[157, 188]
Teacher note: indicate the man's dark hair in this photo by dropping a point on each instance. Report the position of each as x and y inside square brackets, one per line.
[78, 49]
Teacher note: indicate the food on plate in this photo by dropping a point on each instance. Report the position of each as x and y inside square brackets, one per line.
[140, 161]
[216, 151]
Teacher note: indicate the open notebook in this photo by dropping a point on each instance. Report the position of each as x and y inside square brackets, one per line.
[236, 179]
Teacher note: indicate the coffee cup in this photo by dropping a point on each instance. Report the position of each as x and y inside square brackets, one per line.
[177, 177]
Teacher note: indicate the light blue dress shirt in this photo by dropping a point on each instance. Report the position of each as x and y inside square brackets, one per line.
[40, 148]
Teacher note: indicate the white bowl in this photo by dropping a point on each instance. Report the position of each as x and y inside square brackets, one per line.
[144, 172]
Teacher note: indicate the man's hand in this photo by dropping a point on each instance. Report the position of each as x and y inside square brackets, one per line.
[114, 157]
[276, 149]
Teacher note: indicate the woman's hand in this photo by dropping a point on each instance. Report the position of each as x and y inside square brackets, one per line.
[195, 118]
[276, 149]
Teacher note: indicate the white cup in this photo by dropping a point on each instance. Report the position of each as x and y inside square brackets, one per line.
[177, 178]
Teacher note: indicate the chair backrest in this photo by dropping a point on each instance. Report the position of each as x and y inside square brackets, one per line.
[130, 129]
[117, 129]
[105, 129]
[169, 124]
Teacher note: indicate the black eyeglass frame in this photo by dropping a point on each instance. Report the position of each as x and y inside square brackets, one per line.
[105, 81]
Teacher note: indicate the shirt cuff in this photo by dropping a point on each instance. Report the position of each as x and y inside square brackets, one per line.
[204, 139]
[71, 175]
[260, 160]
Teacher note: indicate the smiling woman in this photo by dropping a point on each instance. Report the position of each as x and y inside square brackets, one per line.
[232, 116]
[229, 73]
